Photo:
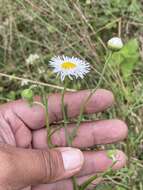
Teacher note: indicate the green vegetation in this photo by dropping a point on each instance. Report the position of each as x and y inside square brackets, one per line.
[80, 28]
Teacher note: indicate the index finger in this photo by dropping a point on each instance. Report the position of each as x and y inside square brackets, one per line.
[34, 117]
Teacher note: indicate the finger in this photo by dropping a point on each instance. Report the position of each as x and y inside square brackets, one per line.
[67, 184]
[31, 167]
[96, 162]
[34, 116]
[13, 130]
[88, 134]
[27, 188]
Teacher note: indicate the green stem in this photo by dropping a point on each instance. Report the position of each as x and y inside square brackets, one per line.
[92, 178]
[65, 117]
[45, 103]
[75, 185]
[74, 132]
[47, 124]
[68, 140]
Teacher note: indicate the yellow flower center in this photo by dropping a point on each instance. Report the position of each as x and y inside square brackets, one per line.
[68, 65]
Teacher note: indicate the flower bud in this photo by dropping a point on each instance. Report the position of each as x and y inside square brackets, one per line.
[115, 43]
[27, 94]
[112, 154]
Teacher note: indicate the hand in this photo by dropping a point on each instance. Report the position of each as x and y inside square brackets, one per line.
[27, 163]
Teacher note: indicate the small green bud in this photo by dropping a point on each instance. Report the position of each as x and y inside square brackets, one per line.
[112, 154]
[27, 94]
[115, 43]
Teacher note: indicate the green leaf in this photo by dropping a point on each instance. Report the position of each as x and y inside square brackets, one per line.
[128, 66]
[131, 57]
[130, 48]
[126, 59]
[135, 7]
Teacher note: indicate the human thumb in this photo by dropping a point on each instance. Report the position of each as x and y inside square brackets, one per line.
[20, 168]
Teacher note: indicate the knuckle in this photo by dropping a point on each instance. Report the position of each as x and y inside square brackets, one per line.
[52, 163]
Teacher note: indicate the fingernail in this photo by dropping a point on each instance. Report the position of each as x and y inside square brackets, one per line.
[72, 159]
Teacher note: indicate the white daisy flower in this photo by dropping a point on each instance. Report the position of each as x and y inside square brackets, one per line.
[69, 66]
[32, 58]
[115, 43]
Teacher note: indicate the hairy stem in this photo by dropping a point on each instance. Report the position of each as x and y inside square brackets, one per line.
[74, 132]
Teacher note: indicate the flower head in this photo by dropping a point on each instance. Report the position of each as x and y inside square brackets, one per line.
[115, 43]
[69, 66]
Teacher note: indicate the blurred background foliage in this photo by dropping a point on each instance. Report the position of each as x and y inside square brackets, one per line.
[80, 28]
